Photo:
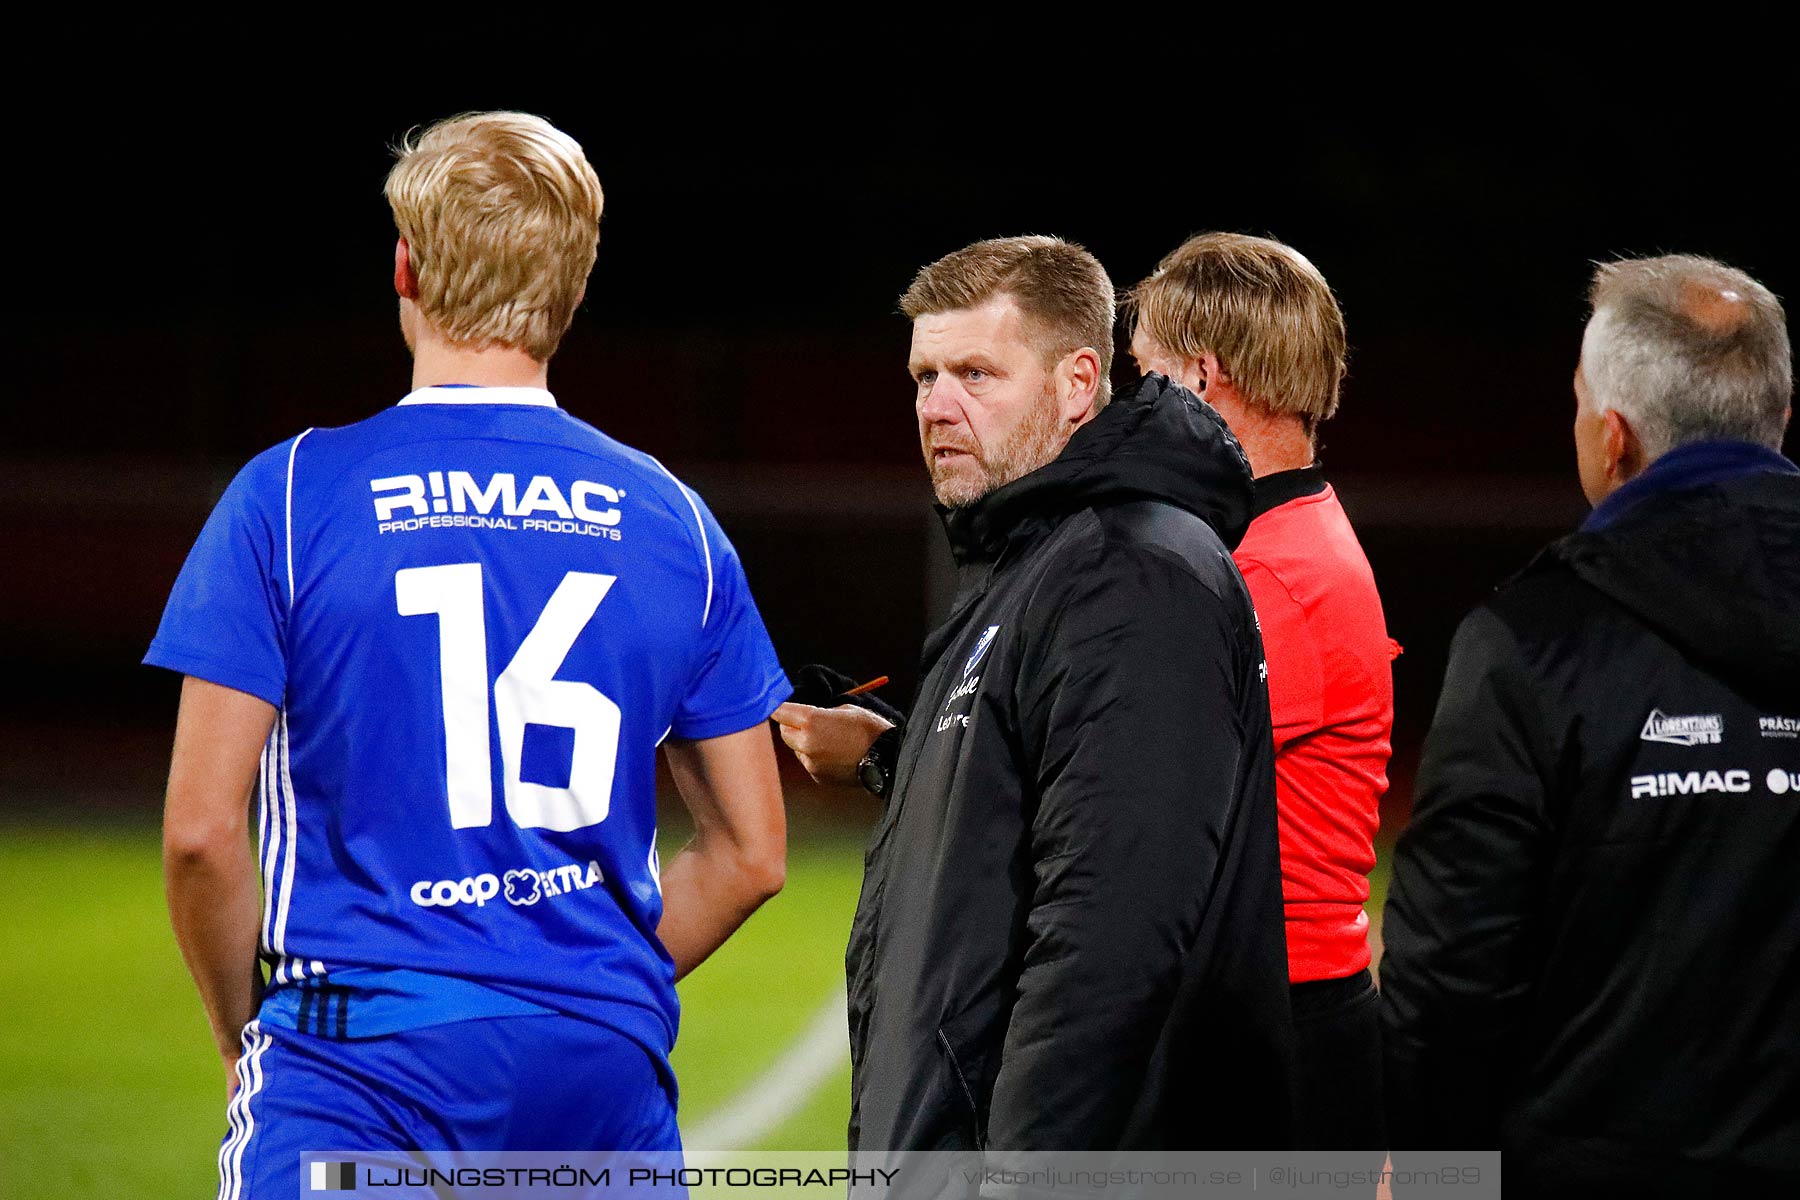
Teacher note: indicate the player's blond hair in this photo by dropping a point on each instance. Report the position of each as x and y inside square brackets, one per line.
[1261, 308]
[501, 216]
[1062, 292]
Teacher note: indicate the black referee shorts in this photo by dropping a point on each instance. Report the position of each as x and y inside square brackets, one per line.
[1337, 1093]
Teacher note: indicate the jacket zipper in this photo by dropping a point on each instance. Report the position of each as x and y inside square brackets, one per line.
[963, 1082]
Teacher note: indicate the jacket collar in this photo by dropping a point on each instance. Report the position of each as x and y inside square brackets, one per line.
[1273, 491]
[1696, 464]
[1160, 443]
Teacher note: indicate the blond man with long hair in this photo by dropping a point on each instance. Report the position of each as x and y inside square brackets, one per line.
[1250, 325]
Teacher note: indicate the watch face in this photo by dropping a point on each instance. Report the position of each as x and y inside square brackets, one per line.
[871, 775]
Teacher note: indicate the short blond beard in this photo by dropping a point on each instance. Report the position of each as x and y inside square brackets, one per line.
[1037, 442]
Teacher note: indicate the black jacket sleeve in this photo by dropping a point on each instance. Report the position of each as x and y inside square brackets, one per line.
[1128, 702]
[1468, 873]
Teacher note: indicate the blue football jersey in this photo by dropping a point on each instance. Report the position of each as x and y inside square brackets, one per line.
[478, 618]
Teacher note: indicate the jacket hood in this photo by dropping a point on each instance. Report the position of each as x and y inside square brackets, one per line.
[1162, 443]
[1714, 569]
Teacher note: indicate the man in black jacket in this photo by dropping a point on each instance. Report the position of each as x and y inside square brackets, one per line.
[1593, 929]
[1070, 929]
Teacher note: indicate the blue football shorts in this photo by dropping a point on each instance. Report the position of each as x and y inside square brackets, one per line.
[504, 1083]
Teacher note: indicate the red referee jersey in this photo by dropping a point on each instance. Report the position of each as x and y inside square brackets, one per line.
[1331, 697]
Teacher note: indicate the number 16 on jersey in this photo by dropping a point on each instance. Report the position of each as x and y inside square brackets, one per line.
[527, 692]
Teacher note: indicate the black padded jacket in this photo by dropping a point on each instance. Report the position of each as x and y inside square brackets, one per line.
[1593, 929]
[1070, 929]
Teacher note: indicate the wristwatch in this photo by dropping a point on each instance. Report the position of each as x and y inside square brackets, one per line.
[876, 770]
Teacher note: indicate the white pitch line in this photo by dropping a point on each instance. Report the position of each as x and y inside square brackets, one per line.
[812, 1058]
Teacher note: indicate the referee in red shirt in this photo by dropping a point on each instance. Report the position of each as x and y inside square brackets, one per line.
[1251, 326]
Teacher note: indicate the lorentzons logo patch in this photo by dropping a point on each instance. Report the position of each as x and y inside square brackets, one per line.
[1697, 730]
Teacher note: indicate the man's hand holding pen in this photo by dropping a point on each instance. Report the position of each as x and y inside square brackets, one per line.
[830, 739]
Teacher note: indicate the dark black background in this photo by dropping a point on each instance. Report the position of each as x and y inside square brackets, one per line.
[201, 263]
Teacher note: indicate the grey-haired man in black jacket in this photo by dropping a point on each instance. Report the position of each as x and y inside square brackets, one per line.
[1593, 930]
[1070, 930]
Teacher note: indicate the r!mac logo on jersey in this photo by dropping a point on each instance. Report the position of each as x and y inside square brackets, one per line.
[453, 500]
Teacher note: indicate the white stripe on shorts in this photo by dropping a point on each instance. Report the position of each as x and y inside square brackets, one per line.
[238, 1114]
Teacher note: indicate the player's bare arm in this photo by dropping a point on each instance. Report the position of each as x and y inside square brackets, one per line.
[209, 869]
[830, 742]
[738, 857]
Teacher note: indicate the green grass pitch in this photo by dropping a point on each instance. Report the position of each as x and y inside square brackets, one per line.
[108, 1081]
